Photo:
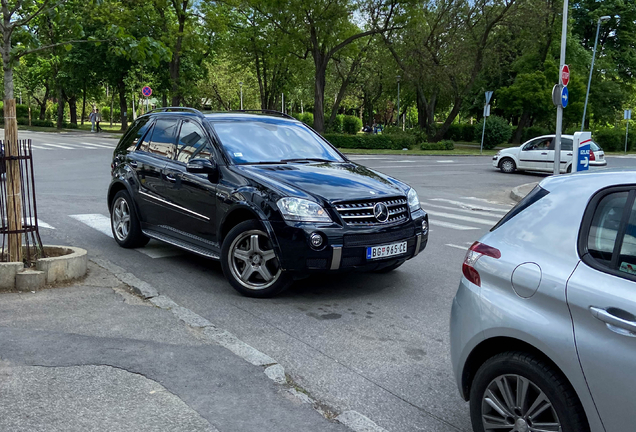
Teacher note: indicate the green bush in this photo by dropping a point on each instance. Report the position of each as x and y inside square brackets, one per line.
[498, 131]
[307, 118]
[22, 111]
[455, 132]
[23, 121]
[42, 123]
[66, 125]
[533, 132]
[613, 139]
[105, 113]
[370, 141]
[468, 132]
[442, 145]
[336, 126]
[351, 124]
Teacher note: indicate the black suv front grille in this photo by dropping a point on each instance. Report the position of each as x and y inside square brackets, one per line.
[360, 213]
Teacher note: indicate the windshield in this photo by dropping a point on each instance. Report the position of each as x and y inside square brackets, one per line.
[272, 141]
[594, 146]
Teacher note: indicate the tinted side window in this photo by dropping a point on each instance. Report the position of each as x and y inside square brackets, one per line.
[605, 227]
[136, 131]
[192, 142]
[566, 144]
[627, 257]
[163, 137]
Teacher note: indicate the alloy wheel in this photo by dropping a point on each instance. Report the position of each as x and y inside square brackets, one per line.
[516, 404]
[508, 166]
[253, 262]
[121, 219]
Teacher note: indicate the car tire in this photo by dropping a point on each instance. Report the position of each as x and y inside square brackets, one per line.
[124, 222]
[569, 170]
[507, 165]
[507, 371]
[390, 268]
[250, 263]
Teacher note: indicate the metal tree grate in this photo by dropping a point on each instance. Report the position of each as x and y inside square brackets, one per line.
[31, 241]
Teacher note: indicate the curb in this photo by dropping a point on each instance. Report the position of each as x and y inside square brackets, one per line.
[272, 369]
[518, 194]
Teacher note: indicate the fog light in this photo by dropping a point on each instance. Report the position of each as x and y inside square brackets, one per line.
[424, 227]
[316, 240]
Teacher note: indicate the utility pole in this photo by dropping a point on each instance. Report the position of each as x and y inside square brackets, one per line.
[628, 117]
[589, 80]
[282, 103]
[559, 119]
[398, 113]
[241, 85]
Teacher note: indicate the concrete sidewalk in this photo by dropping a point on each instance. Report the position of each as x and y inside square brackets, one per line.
[96, 357]
[521, 191]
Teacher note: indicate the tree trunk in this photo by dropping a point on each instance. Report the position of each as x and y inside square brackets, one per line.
[13, 183]
[72, 105]
[61, 101]
[84, 105]
[45, 99]
[175, 62]
[523, 122]
[319, 93]
[449, 120]
[122, 104]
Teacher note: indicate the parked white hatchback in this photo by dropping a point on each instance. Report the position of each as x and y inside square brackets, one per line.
[537, 154]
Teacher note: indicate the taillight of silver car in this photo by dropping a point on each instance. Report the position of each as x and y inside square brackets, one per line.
[476, 251]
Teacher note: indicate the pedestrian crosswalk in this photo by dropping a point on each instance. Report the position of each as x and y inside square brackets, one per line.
[465, 215]
[72, 146]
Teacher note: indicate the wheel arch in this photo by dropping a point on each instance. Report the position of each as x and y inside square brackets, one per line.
[491, 347]
[113, 189]
[241, 213]
[512, 158]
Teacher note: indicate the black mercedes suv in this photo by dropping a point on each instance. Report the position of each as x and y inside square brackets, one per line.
[262, 193]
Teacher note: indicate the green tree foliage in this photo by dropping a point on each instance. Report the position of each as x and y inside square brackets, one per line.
[497, 132]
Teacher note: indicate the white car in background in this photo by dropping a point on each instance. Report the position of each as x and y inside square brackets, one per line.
[537, 154]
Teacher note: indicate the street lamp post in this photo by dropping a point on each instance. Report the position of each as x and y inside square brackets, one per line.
[241, 84]
[398, 112]
[589, 80]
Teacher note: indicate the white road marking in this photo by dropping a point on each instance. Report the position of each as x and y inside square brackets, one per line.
[450, 225]
[457, 246]
[99, 145]
[59, 146]
[41, 224]
[445, 161]
[98, 222]
[40, 147]
[488, 201]
[474, 212]
[462, 218]
[469, 206]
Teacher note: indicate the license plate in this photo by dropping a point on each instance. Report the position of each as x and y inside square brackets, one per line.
[376, 252]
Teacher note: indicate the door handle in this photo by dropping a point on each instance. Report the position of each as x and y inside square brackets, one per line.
[544, 153]
[569, 154]
[170, 178]
[609, 318]
[133, 163]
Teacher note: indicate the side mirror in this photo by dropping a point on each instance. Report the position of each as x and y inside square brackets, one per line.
[201, 166]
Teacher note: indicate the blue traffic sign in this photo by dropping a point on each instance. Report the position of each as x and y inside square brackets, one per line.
[584, 156]
[147, 91]
[564, 97]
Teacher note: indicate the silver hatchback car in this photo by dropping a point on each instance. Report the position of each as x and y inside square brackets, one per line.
[543, 326]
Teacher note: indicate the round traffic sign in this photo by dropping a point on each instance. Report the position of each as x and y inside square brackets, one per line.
[565, 96]
[565, 75]
[147, 91]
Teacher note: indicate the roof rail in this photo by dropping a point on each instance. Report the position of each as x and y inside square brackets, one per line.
[186, 109]
[267, 111]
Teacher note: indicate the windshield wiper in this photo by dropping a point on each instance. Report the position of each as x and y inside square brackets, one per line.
[307, 160]
[264, 163]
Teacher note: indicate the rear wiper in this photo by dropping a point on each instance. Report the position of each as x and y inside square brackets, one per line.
[307, 160]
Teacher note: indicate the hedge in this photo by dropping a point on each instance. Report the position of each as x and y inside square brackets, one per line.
[442, 145]
[533, 132]
[364, 141]
[497, 132]
[613, 139]
[461, 132]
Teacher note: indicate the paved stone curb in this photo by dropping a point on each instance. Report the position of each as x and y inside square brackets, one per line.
[274, 371]
[519, 192]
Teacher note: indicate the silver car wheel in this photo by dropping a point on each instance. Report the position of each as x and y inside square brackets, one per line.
[514, 403]
[120, 218]
[507, 166]
[253, 261]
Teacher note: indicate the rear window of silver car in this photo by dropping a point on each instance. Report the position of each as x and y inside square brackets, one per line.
[535, 195]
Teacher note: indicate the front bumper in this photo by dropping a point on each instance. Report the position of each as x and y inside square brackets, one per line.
[345, 248]
[495, 161]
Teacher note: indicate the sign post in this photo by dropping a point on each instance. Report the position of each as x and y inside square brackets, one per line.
[147, 92]
[628, 117]
[562, 75]
[581, 151]
[486, 114]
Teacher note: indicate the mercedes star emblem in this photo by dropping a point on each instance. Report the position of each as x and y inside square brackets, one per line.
[381, 212]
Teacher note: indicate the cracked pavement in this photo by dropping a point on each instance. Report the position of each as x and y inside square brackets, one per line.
[92, 356]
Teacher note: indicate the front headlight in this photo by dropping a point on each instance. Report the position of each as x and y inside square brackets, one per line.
[414, 201]
[298, 209]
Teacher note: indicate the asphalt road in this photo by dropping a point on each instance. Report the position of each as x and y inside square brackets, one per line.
[377, 344]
